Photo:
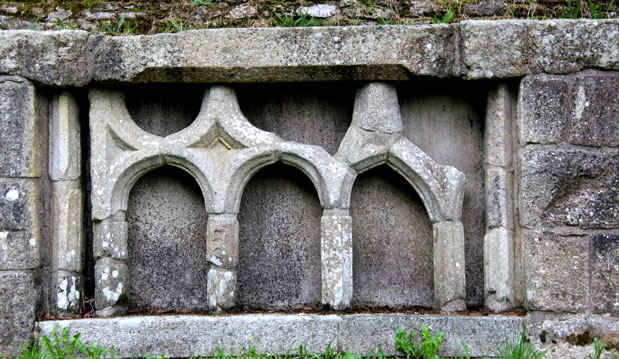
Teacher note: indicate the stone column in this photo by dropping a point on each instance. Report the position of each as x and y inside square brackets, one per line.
[449, 270]
[20, 170]
[67, 233]
[498, 242]
[222, 247]
[336, 258]
[111, 269]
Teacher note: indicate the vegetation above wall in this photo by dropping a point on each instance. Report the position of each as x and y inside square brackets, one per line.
[148, 17]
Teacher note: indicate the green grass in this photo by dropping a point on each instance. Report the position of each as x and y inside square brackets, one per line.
[287, 20]
[63, 346]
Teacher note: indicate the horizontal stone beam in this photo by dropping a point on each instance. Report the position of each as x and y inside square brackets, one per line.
[179, 336]
[470, 49]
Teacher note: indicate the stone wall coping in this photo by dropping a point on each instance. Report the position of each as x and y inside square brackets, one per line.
[476, 49]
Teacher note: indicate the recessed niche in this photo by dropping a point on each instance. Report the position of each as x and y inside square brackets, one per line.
[167, 248]
[445, 120]
[392, 242]
[164, 110]
[279, 240]
[315, 114]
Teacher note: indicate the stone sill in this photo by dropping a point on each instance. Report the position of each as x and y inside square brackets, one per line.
[201, 335]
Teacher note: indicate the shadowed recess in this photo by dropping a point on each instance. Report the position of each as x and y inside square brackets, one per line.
[392, 242]
[445, 120]
[279, 234]
[167, 247]
[315, 114]
[164, 110]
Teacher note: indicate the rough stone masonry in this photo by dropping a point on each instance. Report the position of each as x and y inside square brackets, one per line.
[505, 132]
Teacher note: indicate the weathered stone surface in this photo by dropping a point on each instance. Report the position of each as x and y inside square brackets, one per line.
[19, 205]
[499, 211]
[222, 240]
[377, 108]
[543, 109]
[392, 242]
[314, 114]
[363, 333]
[18, 298]
[595, 110]
[498, 129]
[184, 336]
[19, 142]
[67, 225]
[18, 250]
[221, 288]
[336, 258]
[444, 119]
[52, 57]
[67, 293]
[579, 109]
[276, 333]
[494, 49]
[556, 269]
[167, 242]
[449, 266]
[545, 328]
[499, 270]
[605, 272]
[371, 53]
[575, 187]
[65, 154]
[562, 46]
[488, 48]
[518, 47]
[111, 283]
[110, 239]
[279, 249]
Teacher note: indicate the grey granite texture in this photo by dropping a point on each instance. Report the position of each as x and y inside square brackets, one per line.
[19, 142]
[279, 252]
[18, 295]
[184, 336]
[166, 242]
[580, 109]
[472, 49]
[392, 242]
[569, 186]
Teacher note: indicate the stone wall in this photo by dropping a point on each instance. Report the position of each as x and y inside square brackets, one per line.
[447, 167]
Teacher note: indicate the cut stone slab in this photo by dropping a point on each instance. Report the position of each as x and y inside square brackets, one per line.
[473, 49]
[580, 109]
[392, 242]
[192, 335]
[605, 272]
[499, 212]
[556, 269]
[185, 336]
[68, 234]
[18, 299]
[19, 200]
[573, 187]
[51, 57]
[18, 250]
[509, 48]
[64, 139]
[499, 270]
[364, 333]
[19, 140]
[67, 293]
